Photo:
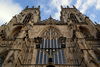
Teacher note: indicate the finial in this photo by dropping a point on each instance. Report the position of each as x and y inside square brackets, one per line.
[32, 6]
[26, 7]
[50, 17]
[61, 6]
[74, 7]
[67, 6]
[96, 23]
[39, 6]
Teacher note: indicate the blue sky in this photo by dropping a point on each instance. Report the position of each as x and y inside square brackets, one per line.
[9, 8]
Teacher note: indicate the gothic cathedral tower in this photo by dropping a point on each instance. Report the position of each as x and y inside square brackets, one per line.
[27, 41]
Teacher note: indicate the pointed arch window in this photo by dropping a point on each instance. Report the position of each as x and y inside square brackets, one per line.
[73, 18]
[27, 18]
[51, 47]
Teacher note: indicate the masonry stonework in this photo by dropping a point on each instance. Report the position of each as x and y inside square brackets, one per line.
[28, 41]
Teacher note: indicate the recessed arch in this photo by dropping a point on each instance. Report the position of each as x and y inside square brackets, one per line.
[15, 31]
[82, 28]
[85, 31]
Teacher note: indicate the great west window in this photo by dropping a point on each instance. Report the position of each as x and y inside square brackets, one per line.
[50, 46]
[51, 49]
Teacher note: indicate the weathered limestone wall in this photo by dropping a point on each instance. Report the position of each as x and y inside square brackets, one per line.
[19, 48]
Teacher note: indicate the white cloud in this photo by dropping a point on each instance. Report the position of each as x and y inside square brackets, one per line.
[56, 15]
[98, 4]
[86, 5]
[57, 5]
[93, 16]
[8, 9]
[78, 3]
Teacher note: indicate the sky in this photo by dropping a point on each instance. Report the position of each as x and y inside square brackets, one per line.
[10, 8]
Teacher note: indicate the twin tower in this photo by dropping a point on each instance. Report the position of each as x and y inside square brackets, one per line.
[66, 13]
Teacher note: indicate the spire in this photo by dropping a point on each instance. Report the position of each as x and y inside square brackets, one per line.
[61, 7]
[26, 7]
[50, 17]
[67, 6]
[96, 23]
[74, 7]
[39, 6]
[32, 6]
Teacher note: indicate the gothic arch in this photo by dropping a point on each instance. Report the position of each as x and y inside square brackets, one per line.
[27, 18]
[51, 40]
[51, 31]
[85, 31]
[16, 31]
[73, 18]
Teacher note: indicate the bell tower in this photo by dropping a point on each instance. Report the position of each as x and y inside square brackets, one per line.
[71, 14]
[31, 14]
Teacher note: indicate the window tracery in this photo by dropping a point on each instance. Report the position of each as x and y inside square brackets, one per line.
[53, 50]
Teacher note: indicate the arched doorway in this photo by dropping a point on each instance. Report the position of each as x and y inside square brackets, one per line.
[50, 66]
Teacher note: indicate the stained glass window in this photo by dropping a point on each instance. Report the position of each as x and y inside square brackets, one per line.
[58, 56]
[27, 18]
[50, 48]
[73, 18]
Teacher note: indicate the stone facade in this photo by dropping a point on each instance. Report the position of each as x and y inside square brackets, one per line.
[27, 41]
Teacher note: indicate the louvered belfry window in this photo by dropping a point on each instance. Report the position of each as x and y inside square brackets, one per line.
[27, 18]
[73, 18]
[50, 46]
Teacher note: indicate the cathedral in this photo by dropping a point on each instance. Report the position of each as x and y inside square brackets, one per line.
[28, 41]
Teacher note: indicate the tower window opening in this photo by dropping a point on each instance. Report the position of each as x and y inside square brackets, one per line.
[73, 18]
[27, 18]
